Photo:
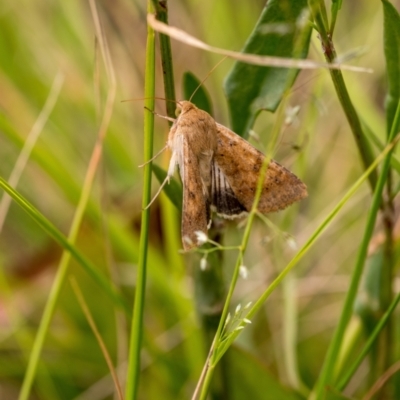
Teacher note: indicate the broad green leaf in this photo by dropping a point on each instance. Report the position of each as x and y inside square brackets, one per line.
[335, 7]
[172, 189]
[192, 87]
[392, 55]
[280, 31]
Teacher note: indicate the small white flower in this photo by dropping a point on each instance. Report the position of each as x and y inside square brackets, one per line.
[239, 328]
[203, 264]
[201, 237]
[253, 134]
[291, 113]
[246, 321]
[247, 305]
[243, 272]
[291, 242]
[228, 318]
[238, 308]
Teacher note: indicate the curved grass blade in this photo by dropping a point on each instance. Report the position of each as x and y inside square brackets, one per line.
[42, 221]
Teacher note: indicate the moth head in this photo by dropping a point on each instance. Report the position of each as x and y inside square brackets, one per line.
[183, 107]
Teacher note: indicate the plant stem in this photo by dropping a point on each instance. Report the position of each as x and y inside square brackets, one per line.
[161, 7]
[327, 376]
[215, 356]
[317, 8]
[132, 383]
[345, 380]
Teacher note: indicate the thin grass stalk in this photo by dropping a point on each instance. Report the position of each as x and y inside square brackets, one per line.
[318, 11]
[30, 143]
[290, 328]
[161, 8]
[386, 341]
[290, 310]
[327, 374]
[215, 355]
[169, 220]
[95, 330]
[132, 383]
[202, 279]
[368, 345]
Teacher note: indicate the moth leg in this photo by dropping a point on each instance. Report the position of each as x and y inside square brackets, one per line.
[171, 170]
[154, 157]
[161, 116]
[158, 192]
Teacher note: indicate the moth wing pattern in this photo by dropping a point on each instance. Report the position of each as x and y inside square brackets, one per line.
[280, 188]
[195, 205]
[223, 198]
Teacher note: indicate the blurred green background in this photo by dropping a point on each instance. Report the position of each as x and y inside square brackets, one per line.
[44, 39]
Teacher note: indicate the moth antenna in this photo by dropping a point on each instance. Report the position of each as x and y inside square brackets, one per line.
[212, 69]
[158, 192]
[147, 98]
[154, 157]
[161, 116]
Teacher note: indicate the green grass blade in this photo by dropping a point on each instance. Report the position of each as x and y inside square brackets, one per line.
[327, 374]
[368, 345]
[64, 242]
[317, 8]
[30, 143]
[132, 383]
[392, 55]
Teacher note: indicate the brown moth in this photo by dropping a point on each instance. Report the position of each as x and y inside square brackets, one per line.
[219, 171]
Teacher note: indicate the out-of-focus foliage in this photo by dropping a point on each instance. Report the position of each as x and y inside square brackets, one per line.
[38, 40]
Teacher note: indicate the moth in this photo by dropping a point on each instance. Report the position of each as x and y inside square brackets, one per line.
[219, 171]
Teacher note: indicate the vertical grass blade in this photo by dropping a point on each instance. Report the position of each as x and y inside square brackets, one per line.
[345, 380]
[132, 383]
[327, 375]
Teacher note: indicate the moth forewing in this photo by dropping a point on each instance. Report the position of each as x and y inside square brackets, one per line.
[195, 205]
[241, 163]
[193, 140]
